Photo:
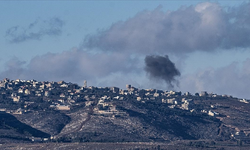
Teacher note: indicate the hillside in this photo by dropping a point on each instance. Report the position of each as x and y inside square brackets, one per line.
[13, 129]
[66, 112]
[143, 122]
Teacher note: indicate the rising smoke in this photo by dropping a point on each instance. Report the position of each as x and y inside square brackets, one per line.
[161, 67]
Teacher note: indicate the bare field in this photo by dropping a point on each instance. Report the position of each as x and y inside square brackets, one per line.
[118, 146]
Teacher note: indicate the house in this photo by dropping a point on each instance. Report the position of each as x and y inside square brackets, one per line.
[20, 90]
[64, 85]
[171, 101]
[116, 97]
[49, 85]
[60, 82]
[6, 80]
[211, 113]
[18, 112]
[42, 87]
[2, 109]
[78, 91]
[121, 92]
[63, 107]
[34, 84]
[27, 91]
[38, 94]
[128, 86]
[45, 139]
[156, 94]
[13, 94]
[187, 94]
[239, 134]
[138, 98]
[61, 100]
[3, 84]
[171, 106]
[203, 93]
[115, 89]
[184, 106]
[36, 139]
[16, 99]
[62, 95]
[243, 101]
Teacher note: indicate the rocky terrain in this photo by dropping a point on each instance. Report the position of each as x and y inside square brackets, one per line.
[71, 113]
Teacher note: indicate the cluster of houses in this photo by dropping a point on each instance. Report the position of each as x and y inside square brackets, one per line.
[64, 96]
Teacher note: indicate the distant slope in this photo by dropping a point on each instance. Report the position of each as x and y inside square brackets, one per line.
[111, 114]
[142, 122]
[51, 122]
[9, 124]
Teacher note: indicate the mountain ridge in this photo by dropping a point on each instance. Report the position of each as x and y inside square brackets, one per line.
[68, 112]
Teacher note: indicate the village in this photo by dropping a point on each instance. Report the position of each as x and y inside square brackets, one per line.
[20, 97]
[64, 96]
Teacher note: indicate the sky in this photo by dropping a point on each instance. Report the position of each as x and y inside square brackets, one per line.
[182, 45]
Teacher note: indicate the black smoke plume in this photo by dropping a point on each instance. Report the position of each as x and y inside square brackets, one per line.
[161, 67]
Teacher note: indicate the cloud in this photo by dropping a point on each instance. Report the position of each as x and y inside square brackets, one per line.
[13, 67]
[35, 31]
[117, 70]
[115, 55]
[161, 67]
[233, 79]
[72, 66]
[203, 27]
